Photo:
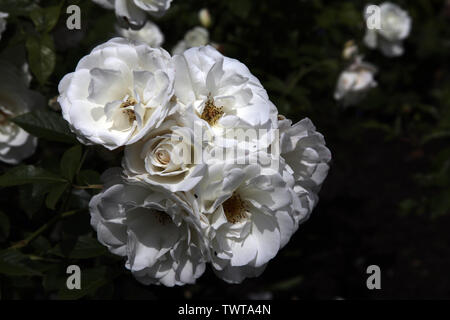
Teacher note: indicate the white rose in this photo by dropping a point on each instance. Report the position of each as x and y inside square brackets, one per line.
[222, 92]
[3, 16]
[15, 99]
[149, 33]
[303, 150]
[195, 37]
[166, 156]
[252, 212]
[132, 13]
[155, 231]
[355, 82]
[118, 93]
[395, 26]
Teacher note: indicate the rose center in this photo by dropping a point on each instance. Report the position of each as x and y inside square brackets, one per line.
[163, 156]
[162, 217]
[128, 110]
[234, 209]
[211, 113]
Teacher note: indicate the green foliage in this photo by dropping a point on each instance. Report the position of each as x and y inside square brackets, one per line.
[46, 125]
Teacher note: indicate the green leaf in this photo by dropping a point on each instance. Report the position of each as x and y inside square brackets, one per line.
[91, 280]
[85, 248]
[28, 174]
[70, 162]
[45, 19]
[14, 263]
[55, 193]
[88, 177]
[45, 124]
[41, 56]
[4, 226]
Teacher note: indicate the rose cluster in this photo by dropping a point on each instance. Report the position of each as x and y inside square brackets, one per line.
[211, 173]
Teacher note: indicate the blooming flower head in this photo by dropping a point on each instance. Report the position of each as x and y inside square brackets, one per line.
[15, 99]
[149, 33]
[155, 231]
[133, 13]
[166, 157]
[222, 92]
[252, 212]
[355, 82]
[3, 17]
[118, 93]
[395, 26]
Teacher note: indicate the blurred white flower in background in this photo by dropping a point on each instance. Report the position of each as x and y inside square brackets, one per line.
[15, 99]
[149, 33]
[204, 17]
[195, 37]
[133, 13]
[395, 26]
[3, 17]
[354, 82]
[118, 93]
[157, 233]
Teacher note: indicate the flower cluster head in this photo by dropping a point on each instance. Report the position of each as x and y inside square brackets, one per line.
[133, 13]
[394, 27]
[211, 173]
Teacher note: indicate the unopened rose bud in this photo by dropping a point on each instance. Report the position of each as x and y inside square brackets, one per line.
[350, 50]
[205, 18]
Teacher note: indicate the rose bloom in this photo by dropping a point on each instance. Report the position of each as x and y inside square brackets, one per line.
[118, 93]
[15, 99]
[252, 211]
[223, 93]
[395, 26]
[157, 233]
[149, 33]
[133, 13]
[303, 150]
[355, 82]
[3, 16]
[166, 156]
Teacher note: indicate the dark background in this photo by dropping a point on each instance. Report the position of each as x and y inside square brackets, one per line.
[386, 200]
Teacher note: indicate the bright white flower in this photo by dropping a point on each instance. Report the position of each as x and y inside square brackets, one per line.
[133, 13]
[355, 82]
[166, 156]
[149, 33]
[204, 17]
[222, 92]
[195, 37]
[3, 17]
[395, 26]
[15, 99]
[252, 212]
[157, 233]
[118, 93]
[304, 152]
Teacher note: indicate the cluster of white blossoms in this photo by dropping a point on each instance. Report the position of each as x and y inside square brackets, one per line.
[395, 25]
[133, 13]
[211, 173]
